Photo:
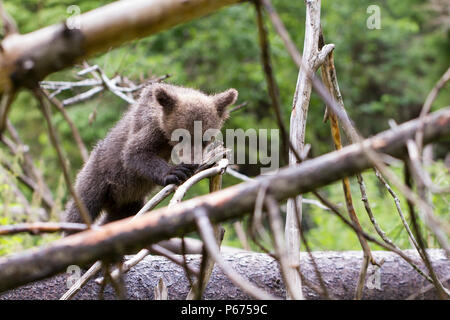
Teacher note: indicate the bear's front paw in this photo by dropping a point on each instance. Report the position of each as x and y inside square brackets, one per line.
[179, 173]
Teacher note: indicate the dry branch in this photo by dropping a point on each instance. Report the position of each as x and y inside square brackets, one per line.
[75, 133]
[272, 85]
[428, 102]
[329, 79]
[282, 32]
[28, 58]
[276, 228]
[45, 109]
[127, 236]
[312, 59]
[41, 227]
[119, 85]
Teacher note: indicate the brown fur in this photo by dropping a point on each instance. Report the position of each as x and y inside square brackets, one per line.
[126, 165]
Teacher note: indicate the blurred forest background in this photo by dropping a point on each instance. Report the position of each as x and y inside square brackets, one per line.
[383, 74]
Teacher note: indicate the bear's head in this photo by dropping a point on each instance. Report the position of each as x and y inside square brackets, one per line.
[191, 111]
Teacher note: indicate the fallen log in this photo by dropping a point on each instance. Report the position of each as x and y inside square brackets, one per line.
[126, 236]
[394, 280]
[28, 58]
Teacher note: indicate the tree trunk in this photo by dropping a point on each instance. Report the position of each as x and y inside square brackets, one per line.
[395, 280]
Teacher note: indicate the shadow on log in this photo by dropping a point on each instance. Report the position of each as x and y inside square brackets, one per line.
[395, 280]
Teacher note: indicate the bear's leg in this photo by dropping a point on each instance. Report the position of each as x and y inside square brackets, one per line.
[122, 211]
[93, 204]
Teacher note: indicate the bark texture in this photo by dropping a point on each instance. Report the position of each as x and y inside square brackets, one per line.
[340, 270]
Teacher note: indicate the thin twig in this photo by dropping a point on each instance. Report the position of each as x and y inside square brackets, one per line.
[185, 264]
[118, 282]
[276, 226]
[41, 227]
[75, 133]
[313, 261]
[282, 32]
[5, 105]
[65, 85]
[334, 209]
[98, 84]
[107, 277]
[427, 106]
[243, 177]
[9, 24]
[238, 107]
[96, 267]
[365, 200]
[377, 161]
[362, 277]
[399, 210]
[206, 232]
[270, 79]
[160, 291]
[238, 175]
[82, 96]
[239, 229]
[54, 139]
[257, 227]
[207, 264]
[206, 267]
[28, 167]
[420, 173]
[254, 237]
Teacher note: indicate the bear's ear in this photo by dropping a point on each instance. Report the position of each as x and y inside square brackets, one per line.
[166, 99]
[224, 99]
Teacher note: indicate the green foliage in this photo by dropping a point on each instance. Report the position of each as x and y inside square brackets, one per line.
[382, 74]
[8, 215]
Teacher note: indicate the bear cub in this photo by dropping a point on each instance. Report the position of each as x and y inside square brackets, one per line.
[134, 157]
